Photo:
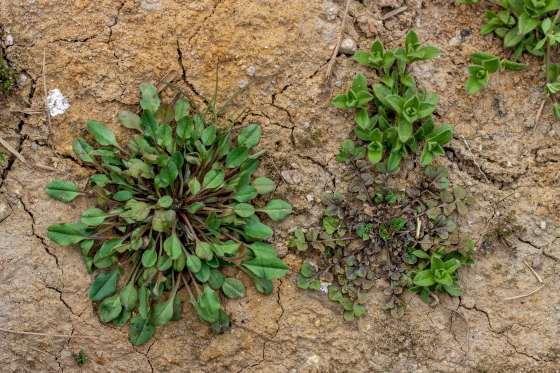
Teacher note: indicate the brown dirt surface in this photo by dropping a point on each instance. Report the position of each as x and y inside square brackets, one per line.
[98, 52]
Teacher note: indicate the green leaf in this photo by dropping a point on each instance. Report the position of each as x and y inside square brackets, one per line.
[404, 130]
[163, 312]
[122, 195]
[375, 152]
[204, 250]
[62, 190]
[442, 135]
[110, 308]
[149, 97]
[194, 186]
[129, 296]
[140, 330]
[264, 185]
[250, 136]
[233, 288]
[245, 193]
[130, 120]
[513, 66]
[526, 24]
[123, 317]
[277, 209]
[104, 285]
[244, 209]
[67, 234]
[236, 157]
[454, 290]
[173, 247]
[138, 168]
[136, 210]
[213, 179]
[101, 134]
[165, 202]
[208, 136]
[83, 150]
[207, 306]
[228, 248]
[182, 108]
[424, 278]
[144, 302]
[93, 216]
[257, 230]
[193, 263]
[163, 220]
[394, 160]
[149, 258]
[216, 279]
[556, 111]
[267, 267]
[306, 269]
[104, 256]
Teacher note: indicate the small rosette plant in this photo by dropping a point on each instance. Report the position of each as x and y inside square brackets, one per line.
[393, 117]
[177, 207]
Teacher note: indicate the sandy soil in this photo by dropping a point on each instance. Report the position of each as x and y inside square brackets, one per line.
[97, 53]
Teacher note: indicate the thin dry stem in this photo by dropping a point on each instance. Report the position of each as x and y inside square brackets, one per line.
[339, 41]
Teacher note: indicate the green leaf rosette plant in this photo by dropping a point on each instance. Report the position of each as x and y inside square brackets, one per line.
[393, 117]
[177, 207]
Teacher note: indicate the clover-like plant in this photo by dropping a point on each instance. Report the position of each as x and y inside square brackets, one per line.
[177, 207]
[388, 236]
[393, 116]
[484, 65]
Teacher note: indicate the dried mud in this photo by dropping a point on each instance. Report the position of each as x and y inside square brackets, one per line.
[97, 53]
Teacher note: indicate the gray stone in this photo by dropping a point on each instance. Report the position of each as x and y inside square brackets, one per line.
[348, 46]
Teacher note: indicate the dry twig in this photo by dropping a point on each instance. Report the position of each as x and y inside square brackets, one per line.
[394, 12]
[339, 41]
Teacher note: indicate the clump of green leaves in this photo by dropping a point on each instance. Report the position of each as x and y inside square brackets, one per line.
[80, 358]
[175, 208]
[484, 65]
[437, 273]
[3, 159]
[7, 76]
[362, 240]
[525, 26]
[393, 117]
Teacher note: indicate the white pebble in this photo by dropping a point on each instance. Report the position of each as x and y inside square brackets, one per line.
[57, 103]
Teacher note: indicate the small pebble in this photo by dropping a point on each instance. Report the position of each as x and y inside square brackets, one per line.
[348, 46]
[9, 40]
[5, 210]
[243, 83]
[251, 70]
[331, 10]
[292, 176]
[309, 197]
[543, 225]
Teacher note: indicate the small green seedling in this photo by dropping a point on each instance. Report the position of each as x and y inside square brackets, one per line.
[174, 207]
[80, 358]
[393, 117]
[436, 272]
[7, 76]
[484, 65]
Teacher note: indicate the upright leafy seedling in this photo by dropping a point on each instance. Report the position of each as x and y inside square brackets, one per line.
[174, 207]
[393, 117]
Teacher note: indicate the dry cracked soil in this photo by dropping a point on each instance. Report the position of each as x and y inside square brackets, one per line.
[96, 53]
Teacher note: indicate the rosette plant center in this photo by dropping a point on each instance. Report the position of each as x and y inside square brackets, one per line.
[177, 208]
